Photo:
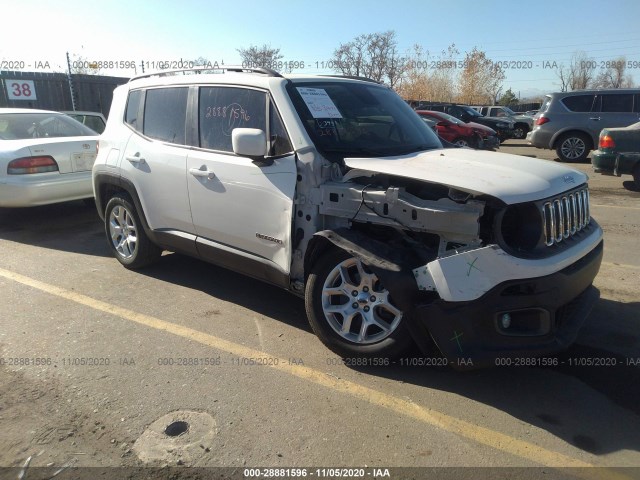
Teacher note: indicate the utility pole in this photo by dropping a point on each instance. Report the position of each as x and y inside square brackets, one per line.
[70, 80]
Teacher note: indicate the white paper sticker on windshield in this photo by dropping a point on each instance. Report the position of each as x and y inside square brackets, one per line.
[319, 103]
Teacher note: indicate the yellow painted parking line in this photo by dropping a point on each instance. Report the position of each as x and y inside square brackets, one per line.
[623, 265]
[470, 431]
[613, 206]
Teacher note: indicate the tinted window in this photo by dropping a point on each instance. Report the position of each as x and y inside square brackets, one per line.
[165, 113]
[618, 102]
[133, 102]
[279, 140]
[579, 103]
[224, 109]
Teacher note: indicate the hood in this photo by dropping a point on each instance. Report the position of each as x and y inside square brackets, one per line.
[479, 126]
[510, 178]
[508, 121]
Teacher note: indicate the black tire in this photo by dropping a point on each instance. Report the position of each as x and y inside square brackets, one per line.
[636, 176]
[461, 142]
[520, 131]
[573, 147]
[391, 344]
[132, 254]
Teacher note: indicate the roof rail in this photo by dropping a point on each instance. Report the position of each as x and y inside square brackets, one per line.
[353, 77]
[229, 68]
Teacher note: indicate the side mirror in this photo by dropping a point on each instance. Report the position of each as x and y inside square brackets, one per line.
[249, 142]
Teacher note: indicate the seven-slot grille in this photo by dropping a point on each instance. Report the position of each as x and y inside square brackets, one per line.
[563, 217]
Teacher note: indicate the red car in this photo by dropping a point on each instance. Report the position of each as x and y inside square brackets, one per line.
[460, 133]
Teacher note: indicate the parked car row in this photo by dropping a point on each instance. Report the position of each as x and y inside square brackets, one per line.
[504, 127]
[522, 124]
[570, 122]
[459, 133]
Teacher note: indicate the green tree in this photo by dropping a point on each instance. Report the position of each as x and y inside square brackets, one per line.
[265, 56]
[508, 98]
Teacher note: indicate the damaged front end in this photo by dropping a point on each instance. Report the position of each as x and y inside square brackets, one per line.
[450, 263]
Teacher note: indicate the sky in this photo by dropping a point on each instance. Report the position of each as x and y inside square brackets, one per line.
[533, 37]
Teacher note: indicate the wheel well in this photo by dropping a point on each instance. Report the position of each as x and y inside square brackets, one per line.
[317, 247]
[522, 124]
[107, 191]
[581, 133]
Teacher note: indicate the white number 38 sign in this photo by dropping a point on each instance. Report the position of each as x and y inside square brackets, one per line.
[21, 89]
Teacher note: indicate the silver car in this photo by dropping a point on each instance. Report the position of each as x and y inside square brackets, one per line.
[45, 157]
[570, 122]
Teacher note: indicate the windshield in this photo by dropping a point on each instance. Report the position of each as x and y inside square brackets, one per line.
[346, 119]
[472, 112]
[18, 126]
[451, 118]
[510, 112]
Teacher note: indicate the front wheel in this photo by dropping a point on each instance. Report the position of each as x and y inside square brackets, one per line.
[350, 310]
[125, 233]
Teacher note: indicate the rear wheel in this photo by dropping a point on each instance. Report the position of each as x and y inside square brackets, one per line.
[573, 147]
[127, 238]
[350, 310]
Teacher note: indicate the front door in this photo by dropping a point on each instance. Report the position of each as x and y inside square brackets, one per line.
[241, 206]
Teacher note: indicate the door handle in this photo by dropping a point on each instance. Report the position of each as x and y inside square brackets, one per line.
[136, 158]
[595, 118]
[208, 174]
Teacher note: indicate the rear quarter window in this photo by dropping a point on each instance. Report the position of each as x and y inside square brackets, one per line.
[579, 103]
[133, 104]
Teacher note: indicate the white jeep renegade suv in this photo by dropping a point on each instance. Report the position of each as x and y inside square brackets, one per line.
[334, 189]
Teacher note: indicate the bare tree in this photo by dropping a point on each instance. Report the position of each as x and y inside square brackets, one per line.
[265, 56]
[564, 74]
[481, 79]
[580, 71]
[372, 55]
[613, 76]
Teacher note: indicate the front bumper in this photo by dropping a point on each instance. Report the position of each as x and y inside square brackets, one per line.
[489, 142]
[546, 313]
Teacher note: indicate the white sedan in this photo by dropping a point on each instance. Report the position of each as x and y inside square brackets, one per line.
[45, 157]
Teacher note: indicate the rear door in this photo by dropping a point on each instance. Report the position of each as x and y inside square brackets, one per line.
[155, 159]
[616, 110]
[240, 206]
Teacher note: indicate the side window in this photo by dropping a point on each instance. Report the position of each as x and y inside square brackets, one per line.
[165, 114]
[637, 103]
[579, 103]
[133, 102]
[224, 108]
[279, 140]
[618, 102]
